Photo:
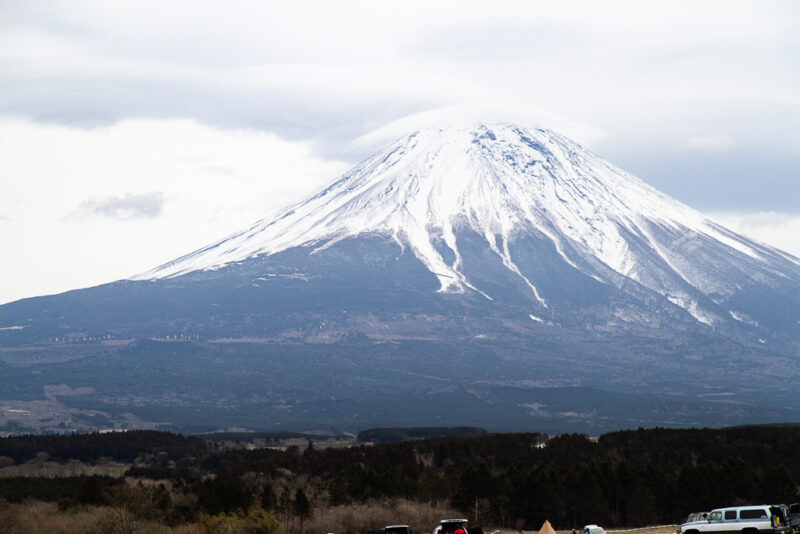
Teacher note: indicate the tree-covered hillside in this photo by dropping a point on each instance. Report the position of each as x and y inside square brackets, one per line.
[626, 478]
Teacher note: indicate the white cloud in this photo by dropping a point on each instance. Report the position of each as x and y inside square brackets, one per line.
[487, 112]
[781, 230]
[122, 207]
[163, 188]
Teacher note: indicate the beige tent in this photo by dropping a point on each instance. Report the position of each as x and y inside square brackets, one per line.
[547, 528]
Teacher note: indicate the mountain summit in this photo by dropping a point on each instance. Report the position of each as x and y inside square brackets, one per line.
[510, 185]
[490, 275]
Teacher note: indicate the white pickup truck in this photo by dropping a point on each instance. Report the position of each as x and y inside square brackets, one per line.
[761, 519]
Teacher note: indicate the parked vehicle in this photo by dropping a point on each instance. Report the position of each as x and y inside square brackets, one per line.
[593, 529]
[760, 519]
[395, 529]
[794, 516]
[449, 526]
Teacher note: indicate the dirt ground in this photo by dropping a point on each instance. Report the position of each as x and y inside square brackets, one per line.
[662, 529]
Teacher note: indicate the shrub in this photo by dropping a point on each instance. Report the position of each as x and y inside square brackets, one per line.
[255, 521]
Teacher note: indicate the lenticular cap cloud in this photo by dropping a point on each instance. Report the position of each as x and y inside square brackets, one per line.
[474, 114]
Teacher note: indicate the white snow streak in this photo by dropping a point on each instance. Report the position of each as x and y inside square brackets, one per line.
[499, 181]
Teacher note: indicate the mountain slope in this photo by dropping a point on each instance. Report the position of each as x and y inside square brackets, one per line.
[492, 275]
[508, 185]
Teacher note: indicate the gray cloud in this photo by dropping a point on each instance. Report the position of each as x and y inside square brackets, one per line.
[715, 155]
[743, 181]
[298, 102]
[123, 208]
[632, 69]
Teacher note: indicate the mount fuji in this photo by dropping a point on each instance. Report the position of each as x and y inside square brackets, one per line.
[486, 275]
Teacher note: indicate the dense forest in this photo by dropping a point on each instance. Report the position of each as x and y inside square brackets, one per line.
[626, 478]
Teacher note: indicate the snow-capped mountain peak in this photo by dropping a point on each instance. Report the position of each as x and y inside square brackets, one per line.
[499, 181]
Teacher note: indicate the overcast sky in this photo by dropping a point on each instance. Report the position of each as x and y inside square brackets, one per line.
[134, 132]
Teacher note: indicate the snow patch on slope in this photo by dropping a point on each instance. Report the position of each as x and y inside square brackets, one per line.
[742, 318]
[693, 307]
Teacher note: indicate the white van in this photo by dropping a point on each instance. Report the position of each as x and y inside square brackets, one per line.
[593, 529]
[760, 519]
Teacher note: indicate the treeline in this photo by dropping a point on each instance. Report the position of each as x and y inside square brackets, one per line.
[67, 490]
[629, 478]
[119, 446]
[518, 480]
